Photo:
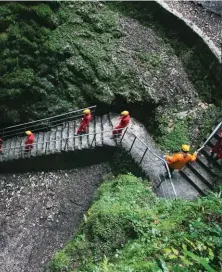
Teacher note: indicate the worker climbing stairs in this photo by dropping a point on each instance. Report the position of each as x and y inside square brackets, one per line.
[59, 134]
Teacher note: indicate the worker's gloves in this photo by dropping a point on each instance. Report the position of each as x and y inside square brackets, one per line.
[195, 153]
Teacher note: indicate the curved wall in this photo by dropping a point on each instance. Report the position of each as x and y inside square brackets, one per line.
[190, 34]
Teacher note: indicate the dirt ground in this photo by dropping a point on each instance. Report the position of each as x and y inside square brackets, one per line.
[39, 212]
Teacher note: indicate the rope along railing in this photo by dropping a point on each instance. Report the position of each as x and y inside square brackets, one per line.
[42, 124]
[148, 152]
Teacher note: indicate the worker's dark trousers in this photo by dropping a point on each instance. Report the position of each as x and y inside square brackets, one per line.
[213, 157]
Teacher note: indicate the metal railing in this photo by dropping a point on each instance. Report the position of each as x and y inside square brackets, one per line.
[45, 144]
[210, 136]
[147, 149]
[19, 151]
[42, 124]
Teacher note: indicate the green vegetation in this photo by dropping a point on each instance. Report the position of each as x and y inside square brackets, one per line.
[61, 56]
[173, 140]
[152, 60]
[54, 57]
[123, 163]
[129, 229]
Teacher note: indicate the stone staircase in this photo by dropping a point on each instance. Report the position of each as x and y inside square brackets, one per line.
[199, 173]
[196, 179]
[61, 138]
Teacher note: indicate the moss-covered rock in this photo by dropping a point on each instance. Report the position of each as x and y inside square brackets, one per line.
[58, 56]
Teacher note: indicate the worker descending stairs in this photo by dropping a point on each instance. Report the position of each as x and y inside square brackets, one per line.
[29, 141]
[83, 127]
[217, 149]
[179, 160]
[124, 122]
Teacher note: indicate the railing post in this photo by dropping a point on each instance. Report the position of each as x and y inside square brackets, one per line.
[132, 143]
[21, 151]
[123, 135]
[93, 139]
[143, 155]
[66, 144]
[46, 147]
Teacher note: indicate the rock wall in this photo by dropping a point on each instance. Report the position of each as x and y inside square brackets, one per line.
[63, 160]
[40, 212]
[191, 35]
[214, 6]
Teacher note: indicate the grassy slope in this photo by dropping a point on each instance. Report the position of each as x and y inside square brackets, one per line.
[129, 229]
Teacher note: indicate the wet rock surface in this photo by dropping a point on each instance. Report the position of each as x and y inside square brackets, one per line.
[207, 21]
[214, 6]
[40, 211]
[162, 83]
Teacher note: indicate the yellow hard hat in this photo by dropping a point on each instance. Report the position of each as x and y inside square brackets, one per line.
[86, 111]
[185, 148]
[124, 113]
[28, 132]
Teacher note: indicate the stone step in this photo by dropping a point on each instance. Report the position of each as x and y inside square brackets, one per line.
[107, 129]
[71, 135]
[206, 152]
[65, 131]
[202, 174]
[77, 140]
[13, 147]
[48, 144]
[91, 131]
[52, 138]
[98, 127]
[39, 142]
[196, 182]
[204, 162]
[58, 135]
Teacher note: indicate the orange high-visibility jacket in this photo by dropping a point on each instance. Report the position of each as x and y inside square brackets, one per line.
[179, 160]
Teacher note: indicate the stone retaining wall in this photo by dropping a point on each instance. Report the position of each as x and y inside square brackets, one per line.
[62, 160]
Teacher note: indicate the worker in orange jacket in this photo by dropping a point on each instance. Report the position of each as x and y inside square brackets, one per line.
[29, 141]
[85, 122]
[179, 160]
[124, 122]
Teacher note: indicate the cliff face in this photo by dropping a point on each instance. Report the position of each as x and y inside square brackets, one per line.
[214, 6]
[56, 58]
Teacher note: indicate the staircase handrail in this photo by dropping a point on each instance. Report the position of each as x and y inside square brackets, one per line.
[7, 131]
[157, 156]
[22, 146]
[63, 139]
[211, 135]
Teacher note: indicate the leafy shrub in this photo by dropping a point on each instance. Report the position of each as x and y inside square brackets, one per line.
[44, 11]
[129, 229]
[173, 140]
[18, 78]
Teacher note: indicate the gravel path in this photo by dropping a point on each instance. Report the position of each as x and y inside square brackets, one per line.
[208, 22]
[40, 212]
